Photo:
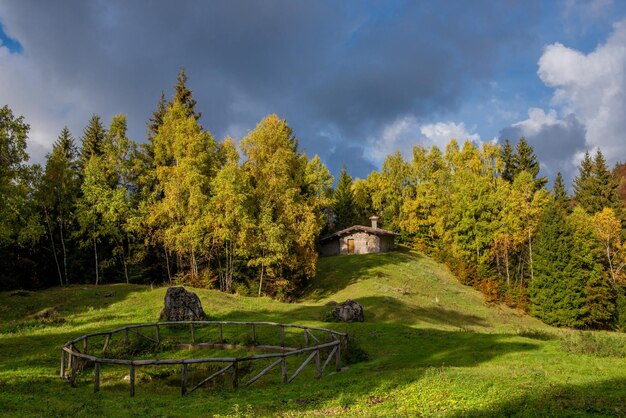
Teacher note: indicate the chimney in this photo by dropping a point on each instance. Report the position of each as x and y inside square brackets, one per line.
[374, 220]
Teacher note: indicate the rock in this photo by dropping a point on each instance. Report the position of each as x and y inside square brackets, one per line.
[331, 303]
[108, 294]
[181, 305]
[349, 311]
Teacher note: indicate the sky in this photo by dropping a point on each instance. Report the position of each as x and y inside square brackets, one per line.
[356, 80]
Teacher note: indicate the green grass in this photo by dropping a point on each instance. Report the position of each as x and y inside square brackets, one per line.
[434, 349]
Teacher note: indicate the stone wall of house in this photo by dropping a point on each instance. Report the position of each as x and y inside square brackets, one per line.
[364, 243]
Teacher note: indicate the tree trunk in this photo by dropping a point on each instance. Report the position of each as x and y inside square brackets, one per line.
[54, 250]
[167, 263]
[95, 254]
[261, 281]
[64, 251]
[530, 255]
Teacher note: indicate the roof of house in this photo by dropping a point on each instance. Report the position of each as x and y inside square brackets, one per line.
[361, 228]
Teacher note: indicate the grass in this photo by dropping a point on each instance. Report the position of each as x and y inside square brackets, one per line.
[433, 348]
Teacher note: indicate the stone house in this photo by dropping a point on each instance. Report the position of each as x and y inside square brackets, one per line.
[358, 239]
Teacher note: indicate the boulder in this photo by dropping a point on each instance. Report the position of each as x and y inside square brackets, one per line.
[181, 305]
[349, 311]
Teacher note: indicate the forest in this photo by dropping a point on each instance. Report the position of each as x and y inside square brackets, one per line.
[182, 207]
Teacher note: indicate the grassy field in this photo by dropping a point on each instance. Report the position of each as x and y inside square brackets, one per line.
[434, 349]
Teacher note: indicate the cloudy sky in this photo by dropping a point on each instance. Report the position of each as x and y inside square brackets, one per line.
[356, 80]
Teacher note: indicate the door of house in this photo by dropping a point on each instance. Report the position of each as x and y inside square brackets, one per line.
[350, 246]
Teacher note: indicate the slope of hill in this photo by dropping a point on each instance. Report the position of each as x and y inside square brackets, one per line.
[434, 348]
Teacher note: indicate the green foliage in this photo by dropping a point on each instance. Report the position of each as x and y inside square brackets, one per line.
[93, 140]
[595, 188]
[343, 207]
[557, 290]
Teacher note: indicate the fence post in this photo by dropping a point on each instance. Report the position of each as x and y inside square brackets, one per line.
[132, 380]
[283, 367]
[183, 380]
[235, 375]
[96, 377]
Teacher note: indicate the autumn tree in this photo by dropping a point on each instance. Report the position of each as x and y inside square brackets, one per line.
[286, 219]
[186, 161]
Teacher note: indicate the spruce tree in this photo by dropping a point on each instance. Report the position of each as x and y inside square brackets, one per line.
[559, 192]
[156, 120]
[92, 140]
[345, 214]
[556, 292]
[524, 159]
[507, 160]
[184, 96]
[595, 188]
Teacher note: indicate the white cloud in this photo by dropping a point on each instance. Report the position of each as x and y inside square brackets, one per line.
[404, 133]
[592, 87]
[538, 120]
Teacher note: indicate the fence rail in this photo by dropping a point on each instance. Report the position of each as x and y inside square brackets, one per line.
[71, 355]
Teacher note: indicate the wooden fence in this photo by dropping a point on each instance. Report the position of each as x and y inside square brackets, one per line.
[316, 350]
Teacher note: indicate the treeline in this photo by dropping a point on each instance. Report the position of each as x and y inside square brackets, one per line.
[185, 208]
[182, 208]
[485, 212]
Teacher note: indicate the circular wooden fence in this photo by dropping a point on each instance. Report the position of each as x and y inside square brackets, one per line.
[73, 357]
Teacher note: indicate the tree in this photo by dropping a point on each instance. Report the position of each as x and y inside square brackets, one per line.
[231, 205]
[184, 96]
[608, 231]
[595, 188]
[57, 195]
[92, 140]
[556, 292]
[560, 192]
[186, 160]
[508, 170]
[345, 214]
[286, 216]
[119, 194]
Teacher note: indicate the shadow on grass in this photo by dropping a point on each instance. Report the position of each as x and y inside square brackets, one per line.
[607, 398]
[377, 309]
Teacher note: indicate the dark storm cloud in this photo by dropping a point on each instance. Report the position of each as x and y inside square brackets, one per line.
[556, 145]
[345, 68]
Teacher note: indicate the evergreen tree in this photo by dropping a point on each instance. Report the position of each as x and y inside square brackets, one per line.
[595, 188]
[583, 183]
[345, 214]
[524, 159]
[156, 120]
[508, 170]
[557, 291]
[184, 96]
[559, 192]
[92, 140]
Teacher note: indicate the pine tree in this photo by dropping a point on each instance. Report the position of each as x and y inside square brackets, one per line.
[343, 206]
[583, 183]
[156, 120]
[557, 291]
[524, 159]
[184, 96]
[559, 192]
[508, 171]
[595, 188]
[92, 140]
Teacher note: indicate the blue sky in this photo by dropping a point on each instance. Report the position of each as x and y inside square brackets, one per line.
[355, 79]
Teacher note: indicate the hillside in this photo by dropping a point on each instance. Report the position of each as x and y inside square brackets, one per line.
[434, 348]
